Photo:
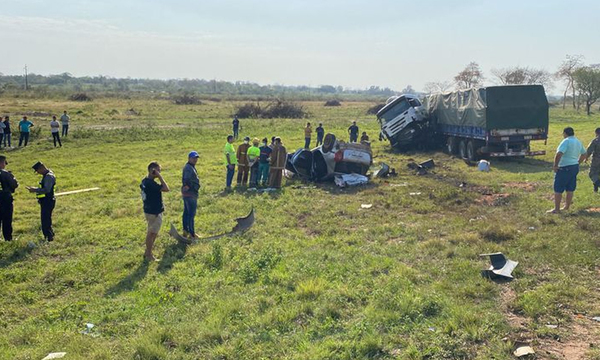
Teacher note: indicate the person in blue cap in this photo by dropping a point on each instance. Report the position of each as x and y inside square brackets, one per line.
[189, 193]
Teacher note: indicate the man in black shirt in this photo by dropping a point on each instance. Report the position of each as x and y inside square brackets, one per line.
[8, 184]
[153, 205]
[236, 127]
[353, 130]
[320, 134]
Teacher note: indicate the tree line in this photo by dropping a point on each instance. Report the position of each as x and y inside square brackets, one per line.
[582, 81]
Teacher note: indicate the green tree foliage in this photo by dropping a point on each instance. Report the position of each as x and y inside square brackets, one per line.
[587, 83]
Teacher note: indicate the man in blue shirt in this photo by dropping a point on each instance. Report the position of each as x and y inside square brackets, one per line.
[569, 155]
[24, 126]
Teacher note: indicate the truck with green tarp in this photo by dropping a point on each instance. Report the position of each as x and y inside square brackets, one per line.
[495, 121]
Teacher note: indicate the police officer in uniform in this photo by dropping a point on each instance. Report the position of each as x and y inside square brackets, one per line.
[593, 151]
[8, 184]
[46, 199]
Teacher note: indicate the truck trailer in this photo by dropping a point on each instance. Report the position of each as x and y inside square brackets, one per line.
[495, 121]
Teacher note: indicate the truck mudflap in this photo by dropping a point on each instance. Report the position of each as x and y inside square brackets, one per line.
[517, 153]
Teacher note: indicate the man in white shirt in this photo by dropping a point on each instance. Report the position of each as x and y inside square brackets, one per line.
[65, 123]
[54, 128]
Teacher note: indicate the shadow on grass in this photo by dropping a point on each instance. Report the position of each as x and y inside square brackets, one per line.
[128, 283]
[527, 165]
[16, 256]
[173, 253]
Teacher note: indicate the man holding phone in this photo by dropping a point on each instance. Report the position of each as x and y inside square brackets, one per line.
[153, 205]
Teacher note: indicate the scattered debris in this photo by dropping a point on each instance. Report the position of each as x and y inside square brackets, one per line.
[414, 193]
[366, 206]
[493, 199]
[480, 217]
[88, 330]
[427, 164]
[383, 171]
[484, 165]
[243, 224]
[431, 328]
[531, 228]
[549, 326]
[56, 355]
[76, 191]
[596, 318]
[524, 351]
[399, 185]
[344, 180]
[132, 111]
[501, 266]
[593, 210]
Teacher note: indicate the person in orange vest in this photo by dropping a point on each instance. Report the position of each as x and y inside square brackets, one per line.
[243, 164]
[278, 160]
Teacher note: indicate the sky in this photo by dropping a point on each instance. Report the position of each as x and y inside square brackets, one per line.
[350, 43]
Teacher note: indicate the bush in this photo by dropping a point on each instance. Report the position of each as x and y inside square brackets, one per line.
[80, 97]
[274, 110]
[373, 110]
[186, 99]
[333, 103]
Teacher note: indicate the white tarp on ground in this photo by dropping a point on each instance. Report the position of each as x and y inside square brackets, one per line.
[343, 180]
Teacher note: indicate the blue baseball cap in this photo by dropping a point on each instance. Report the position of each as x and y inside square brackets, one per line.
[193, 154]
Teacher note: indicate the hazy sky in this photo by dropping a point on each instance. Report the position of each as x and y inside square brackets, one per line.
[352, 43]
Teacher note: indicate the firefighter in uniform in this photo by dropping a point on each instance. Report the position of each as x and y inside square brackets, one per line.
[278, 160]
[243, 163]
[46, 199]
[8, 184]
[593, 151]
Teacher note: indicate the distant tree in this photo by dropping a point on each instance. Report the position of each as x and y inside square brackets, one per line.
[523, 76]
[327, 89]
[408, 90]
[471, 76]
[587, 83]
[566, 72]
[437, 86]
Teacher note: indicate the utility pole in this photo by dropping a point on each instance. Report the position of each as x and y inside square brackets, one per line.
[26, 84]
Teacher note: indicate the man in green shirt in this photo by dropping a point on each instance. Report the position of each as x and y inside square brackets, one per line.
[253, 155]
[593, 151]
[230, 161]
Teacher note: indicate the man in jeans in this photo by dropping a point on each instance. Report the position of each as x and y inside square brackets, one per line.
[569, 155]
[263, 163]
[54, 128]
[7, 132]
[2, 128]
[189, 193]
[307, 135]
[65, 123]
[153, 206]
[230, 161]
[24, 126]
[320, 134]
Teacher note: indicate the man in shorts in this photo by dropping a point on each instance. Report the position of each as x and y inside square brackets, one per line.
[153, 205]
[569, 155]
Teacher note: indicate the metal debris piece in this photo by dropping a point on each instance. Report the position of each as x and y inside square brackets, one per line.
[549, 326]
[596, 318]
[243, 224]
[501, 266]
[382, 172]
[427, 164]
[414, 193]
[524, 351]
[56, 355]
[366, 206]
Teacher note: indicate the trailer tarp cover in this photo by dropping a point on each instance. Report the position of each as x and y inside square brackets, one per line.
[495, 107]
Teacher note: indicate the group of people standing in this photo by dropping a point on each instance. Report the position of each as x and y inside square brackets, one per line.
[44, 194]
[25, 126]
[260, 162]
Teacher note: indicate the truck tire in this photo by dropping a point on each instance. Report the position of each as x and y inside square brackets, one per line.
[471, 151]
[462, 149]
[451, 145]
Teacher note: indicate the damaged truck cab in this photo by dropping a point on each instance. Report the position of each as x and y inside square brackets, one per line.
[402, 120]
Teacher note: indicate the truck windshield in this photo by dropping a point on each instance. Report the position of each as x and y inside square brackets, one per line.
[398, 108]
[414, 102]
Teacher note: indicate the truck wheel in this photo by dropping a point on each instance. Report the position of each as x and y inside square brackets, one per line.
[451, 145]
[471, 153]
[462, 149]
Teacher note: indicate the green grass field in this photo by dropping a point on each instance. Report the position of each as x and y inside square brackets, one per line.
[317, 277]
